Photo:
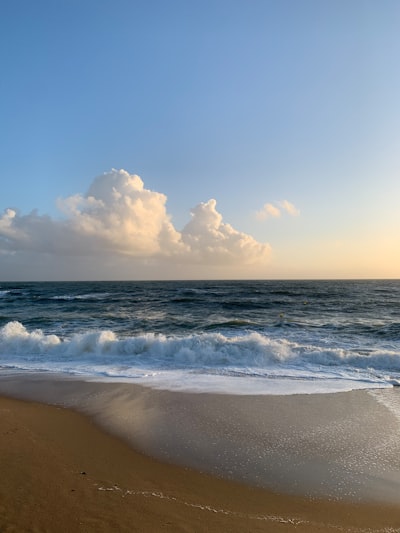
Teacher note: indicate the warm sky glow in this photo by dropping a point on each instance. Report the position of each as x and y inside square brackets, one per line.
[265, 135]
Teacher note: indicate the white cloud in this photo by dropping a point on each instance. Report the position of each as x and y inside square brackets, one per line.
[119, 217]
[289, 208]
[268, 211]
[274, 211]
[210, 239]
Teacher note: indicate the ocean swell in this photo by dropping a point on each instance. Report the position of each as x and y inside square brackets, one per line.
[196, 357]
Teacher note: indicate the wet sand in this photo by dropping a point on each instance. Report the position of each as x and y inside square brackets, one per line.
[118, 456]
[61, 473]
[337, 446]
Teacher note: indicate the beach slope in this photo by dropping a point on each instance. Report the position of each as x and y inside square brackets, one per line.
[61, 473]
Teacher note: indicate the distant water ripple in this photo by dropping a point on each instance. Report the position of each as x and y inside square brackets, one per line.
[225, 336]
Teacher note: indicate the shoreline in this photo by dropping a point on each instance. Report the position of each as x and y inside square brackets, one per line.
[342, 446]
[61, 472]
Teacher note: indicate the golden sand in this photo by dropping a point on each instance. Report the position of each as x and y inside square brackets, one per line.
[61, 473]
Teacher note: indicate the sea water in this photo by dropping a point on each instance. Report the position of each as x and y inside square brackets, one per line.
[237, 337]
[262, 349]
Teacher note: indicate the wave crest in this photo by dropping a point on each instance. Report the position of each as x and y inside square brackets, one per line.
[210, 349]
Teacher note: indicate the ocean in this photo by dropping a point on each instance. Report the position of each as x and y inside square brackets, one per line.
[236, 337]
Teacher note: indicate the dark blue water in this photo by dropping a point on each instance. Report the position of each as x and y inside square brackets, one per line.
[270, 336]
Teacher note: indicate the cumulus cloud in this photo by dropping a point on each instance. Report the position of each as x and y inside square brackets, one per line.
[118, 216]
[209, 238]
[275, 210]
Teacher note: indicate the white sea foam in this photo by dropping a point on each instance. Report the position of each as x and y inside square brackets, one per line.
[246, 363]
[200, 506]
[90, 296]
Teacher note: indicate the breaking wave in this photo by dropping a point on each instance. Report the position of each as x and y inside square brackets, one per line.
[248, 355]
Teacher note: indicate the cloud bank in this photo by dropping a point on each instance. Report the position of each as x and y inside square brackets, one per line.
[119, 217]
[275, 210]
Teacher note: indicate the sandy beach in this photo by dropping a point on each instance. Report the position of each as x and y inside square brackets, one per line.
[62, 470]
[59, 472]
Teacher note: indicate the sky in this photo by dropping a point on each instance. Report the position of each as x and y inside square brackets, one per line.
[190, 139]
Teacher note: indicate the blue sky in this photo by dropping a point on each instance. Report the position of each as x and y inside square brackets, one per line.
[249, 103]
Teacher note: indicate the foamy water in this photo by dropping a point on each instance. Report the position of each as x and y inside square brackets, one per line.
[229, 337]
[248, 341]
